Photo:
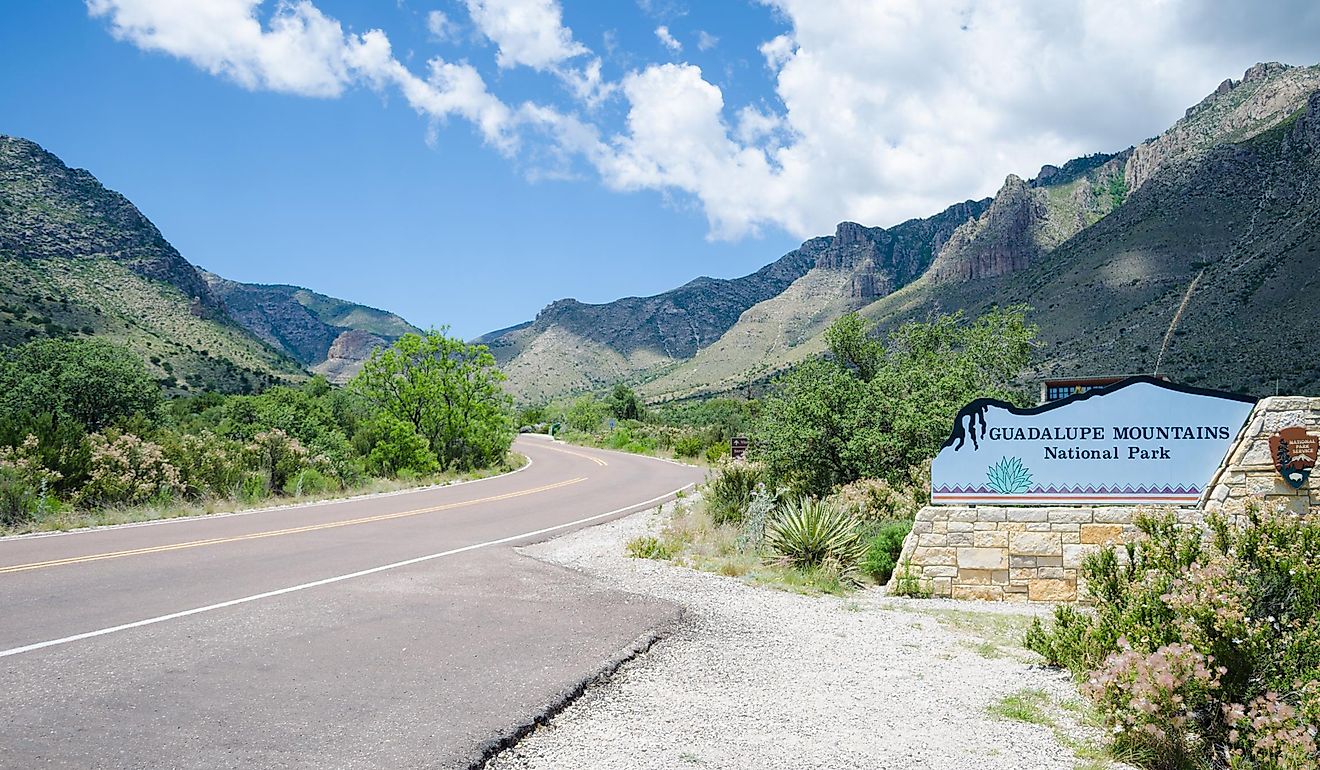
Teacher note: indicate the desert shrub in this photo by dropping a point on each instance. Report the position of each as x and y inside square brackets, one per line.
[651, 547]
[18, 500]
[716, 453]
[879, 500]
[128, 470]
[309, 481]
[759, 512]
[625, 439]
[689, 445]
[883, 549]
[586, 414]
[280, 456]
[730, 492]
[254, 486]
[207, 463]
[1244, 607]
[811, 533]
[397, 447]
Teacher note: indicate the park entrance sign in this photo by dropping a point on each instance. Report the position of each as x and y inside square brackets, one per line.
[1140, 441]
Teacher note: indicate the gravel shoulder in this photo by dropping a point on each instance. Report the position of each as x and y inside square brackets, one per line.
[754, 677]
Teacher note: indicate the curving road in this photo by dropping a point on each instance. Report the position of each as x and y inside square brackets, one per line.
[391, 631]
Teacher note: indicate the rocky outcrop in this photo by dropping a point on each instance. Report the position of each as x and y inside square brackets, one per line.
[347, 354]
[48, 210]
[999, 242]
[1236, 111]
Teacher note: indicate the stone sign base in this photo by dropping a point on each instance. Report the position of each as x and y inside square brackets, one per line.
[1009, 553]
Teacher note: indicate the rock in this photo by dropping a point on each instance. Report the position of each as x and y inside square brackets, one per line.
[347, 354]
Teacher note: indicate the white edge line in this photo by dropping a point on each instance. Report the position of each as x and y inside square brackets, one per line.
[268, 509]
[329, 580]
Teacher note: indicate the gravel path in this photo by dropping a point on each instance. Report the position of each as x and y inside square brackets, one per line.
[761, 678]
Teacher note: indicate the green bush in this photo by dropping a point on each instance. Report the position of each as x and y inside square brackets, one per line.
[650, 547]
[716, 453]
[811, 533]
[879, 500]
[18, 500]
[309, 481]
[397, 447]
[689, 445]
[883, 549]
[730, 491]
[1200, 654]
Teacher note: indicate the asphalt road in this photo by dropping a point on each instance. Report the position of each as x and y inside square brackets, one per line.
[393, 631]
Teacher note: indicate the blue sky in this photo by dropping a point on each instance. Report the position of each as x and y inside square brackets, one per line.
[465, 162]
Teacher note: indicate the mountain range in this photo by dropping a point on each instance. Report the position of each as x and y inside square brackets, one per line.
[79, 260]
[1215, 220]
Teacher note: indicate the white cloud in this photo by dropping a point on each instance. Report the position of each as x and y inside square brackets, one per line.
[441, 27]
[669, 41]
[530, 33]
[706, 41]
[302, 51]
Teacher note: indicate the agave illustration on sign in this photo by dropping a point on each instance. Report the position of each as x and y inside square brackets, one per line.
[1009, 476]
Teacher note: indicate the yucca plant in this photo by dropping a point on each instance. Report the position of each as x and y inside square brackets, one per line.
[808, 532]
[730, 492]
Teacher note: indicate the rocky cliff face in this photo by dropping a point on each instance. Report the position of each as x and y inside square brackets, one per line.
[48, 210]
[310, 327]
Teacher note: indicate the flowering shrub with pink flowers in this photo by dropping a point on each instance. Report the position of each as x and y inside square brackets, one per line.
[1203, 648]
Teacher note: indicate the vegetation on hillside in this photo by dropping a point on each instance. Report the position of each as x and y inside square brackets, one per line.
[85, 428]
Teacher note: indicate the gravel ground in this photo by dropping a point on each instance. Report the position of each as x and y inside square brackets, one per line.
[759, 678]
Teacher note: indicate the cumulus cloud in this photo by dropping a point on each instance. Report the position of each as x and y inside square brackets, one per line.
[441, 27]
[883, 109]
[530, 33]
[667, 40]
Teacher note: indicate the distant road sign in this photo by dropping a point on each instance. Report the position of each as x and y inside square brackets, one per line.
[738, 446]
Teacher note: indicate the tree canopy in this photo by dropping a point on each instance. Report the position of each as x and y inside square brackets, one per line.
[879, 409]
[448, 391]
[91, 382]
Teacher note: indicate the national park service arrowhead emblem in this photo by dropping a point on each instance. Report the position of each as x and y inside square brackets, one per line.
[1294, 452]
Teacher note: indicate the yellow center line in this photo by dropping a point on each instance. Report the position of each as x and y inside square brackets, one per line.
[279, 532]
[595, 460]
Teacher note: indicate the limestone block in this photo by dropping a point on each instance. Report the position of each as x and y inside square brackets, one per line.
[1035, 543]
[1276, 421]
[1070, 516]
[928, 556]
[1070, 538]
[1021, 562]
[986, 526]
[991, 514]
[1015, 588]
[1012, 526]
[939, 571]
[1287, 403]
[980, 577]
[1258, 453]
[932, 541]
[1074, 555]
[1052, 573]
[961, 526]
[1113, 515]
[982, 558]
[1028, 514]
[1049, 561]
[1259, 486]
[1020, 598]
[963, 514]
[920, 527]
[1038, 526]
[990, 540]
[939, 526]
[940, 586]
[984, 593]
[1055, 590]
[1022, 575]
[959, 539]
[1102, 533]
[1220, 494]
[1070, 527]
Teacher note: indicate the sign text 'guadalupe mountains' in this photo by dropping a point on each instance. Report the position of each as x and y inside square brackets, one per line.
[1140, 441]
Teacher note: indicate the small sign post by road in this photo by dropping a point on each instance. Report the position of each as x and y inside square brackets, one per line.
[738, 447]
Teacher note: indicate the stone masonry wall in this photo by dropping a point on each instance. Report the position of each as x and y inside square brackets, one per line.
[1249, 473]
[1009, 553]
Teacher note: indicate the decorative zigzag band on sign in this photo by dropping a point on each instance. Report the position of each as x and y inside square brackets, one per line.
[1185, 494]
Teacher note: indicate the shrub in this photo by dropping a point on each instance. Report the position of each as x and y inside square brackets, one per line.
[689, 445]
[207, 463]
[309, 481]
[1245, 607]
[730, 492]
[18, 501]
[878, 500]
[811, 533]
[883, 549]
[716, 452]
[650, 547]
[399, 448]
[129, 470]
[759, 512]
[279, 456]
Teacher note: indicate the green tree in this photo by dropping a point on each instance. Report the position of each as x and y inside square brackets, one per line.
[586, 413]
[624, 403]
[877, 410]
[91, 382]
[448, 390]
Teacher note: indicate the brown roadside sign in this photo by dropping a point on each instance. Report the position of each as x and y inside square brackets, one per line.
[1294, 451]
[738, 446]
